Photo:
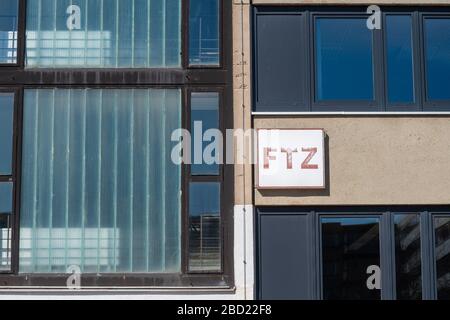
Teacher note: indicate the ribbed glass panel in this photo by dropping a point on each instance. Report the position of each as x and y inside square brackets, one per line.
[110, 33]
[99, 189]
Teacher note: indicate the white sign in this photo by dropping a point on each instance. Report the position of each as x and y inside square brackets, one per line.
[291, 159]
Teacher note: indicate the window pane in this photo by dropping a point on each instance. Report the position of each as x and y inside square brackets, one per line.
[408, 256]
[99, 189]
[442, 254]
[344, 66]
[349, 247]
[205, 116]
[399, 59]
[8, 30]
[110, 33]
[204, 227]
[204, 43]
[279, 68]
[6, 132]
[437, 53]
[6, 199]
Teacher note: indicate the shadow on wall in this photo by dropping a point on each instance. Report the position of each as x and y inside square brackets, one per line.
[305, 192]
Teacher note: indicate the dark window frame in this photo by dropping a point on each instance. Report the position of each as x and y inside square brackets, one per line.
[380, 104]
[17, 78]
[386, 214]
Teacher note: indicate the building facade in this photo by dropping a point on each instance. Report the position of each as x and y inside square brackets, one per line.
[375, 80]
[108, 109]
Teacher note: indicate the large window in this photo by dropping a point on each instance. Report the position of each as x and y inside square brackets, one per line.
[344, 59]
[204, 32]
[328, 59]
[103, 33]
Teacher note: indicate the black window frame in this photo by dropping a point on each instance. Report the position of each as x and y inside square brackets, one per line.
[385, 214]
[380, 104]
[18, 78]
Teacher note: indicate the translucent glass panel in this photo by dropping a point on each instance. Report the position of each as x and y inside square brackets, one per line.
[204, 116]
[437, 53]
[110, 33]
[399, 59]
[408, 259]
[8, 30]
[349, 247]
[204, 227]
[344, 59]
[99, 189]
[204, 32]
[6, 200]
[6, 132]
[442, 256]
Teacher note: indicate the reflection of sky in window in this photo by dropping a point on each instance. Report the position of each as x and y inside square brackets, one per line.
[400, 59]
[113, 33]
[204, 198]
[204, 109]
[437, 53]
[351, 221]
[344, 67]
[6, 197]
[6, 129]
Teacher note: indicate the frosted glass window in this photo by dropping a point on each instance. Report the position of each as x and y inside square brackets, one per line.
[8, 31]
[99, 189]
[103, 33]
